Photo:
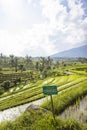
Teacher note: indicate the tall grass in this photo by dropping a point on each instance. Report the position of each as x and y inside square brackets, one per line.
[41, 121]
[66, 98]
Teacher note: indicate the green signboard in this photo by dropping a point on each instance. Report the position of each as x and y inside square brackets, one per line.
[50, 90]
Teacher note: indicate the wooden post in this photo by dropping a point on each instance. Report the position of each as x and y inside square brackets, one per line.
[52, 107]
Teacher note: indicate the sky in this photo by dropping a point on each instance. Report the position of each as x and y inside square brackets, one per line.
[42, 27]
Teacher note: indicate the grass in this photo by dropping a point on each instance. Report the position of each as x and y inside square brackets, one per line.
[79, 69]
[38, 120]
[66, 98]
[80, 72]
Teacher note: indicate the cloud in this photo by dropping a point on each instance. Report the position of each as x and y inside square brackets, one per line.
[12, 9]
[41, 27]
[68, 25]
[19, 14]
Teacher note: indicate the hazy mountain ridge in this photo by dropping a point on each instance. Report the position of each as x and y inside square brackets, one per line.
[74, 52]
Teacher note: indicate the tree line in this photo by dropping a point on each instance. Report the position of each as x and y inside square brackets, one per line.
[26, 63]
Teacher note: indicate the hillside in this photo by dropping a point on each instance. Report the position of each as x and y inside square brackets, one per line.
[74, 52]
[17, 111]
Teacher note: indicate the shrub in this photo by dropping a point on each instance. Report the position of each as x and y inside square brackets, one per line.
[6, 85]
[1, 90]
[18, 80]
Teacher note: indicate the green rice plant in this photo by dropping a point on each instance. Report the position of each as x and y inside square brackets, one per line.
[67, 98]
[60, 80]
[34, 93]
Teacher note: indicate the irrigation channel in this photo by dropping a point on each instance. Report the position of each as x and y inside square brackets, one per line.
[77, 111]
[13, 113]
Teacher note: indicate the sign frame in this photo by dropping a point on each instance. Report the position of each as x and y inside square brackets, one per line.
[50, 90]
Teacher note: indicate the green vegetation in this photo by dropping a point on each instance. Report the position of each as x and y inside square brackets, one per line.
[67, 98]
[39, 121]
[35, 91]
[21, 81]
[6, 85]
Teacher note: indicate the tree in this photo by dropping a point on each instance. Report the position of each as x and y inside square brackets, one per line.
[12, 60]
[49, 62]
[44, 73]
[82, 59]
[42, 63]
[21, 67]
[16, 64]
[37, 65]
[18, 80]
[3, 60]
[29, 62]
[57, 64]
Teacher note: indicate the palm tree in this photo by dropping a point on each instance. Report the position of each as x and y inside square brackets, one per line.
[29, 62]
[12, 61]
[49, 62]
[21, 67]
[42, 63]
[16, 64]
[37, 65]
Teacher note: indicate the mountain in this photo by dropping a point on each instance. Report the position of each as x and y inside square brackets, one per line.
[74, 52]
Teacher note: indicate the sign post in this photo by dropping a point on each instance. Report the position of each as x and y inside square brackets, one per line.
[50, 90]
[52, 106]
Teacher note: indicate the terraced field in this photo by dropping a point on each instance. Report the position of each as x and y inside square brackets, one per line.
[33, 91]
[71, 85]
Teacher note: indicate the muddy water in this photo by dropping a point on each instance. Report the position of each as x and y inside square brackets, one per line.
[77, 111]
[13, 113]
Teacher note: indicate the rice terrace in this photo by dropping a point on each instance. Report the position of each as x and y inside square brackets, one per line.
[43, 64]
[21, 82]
